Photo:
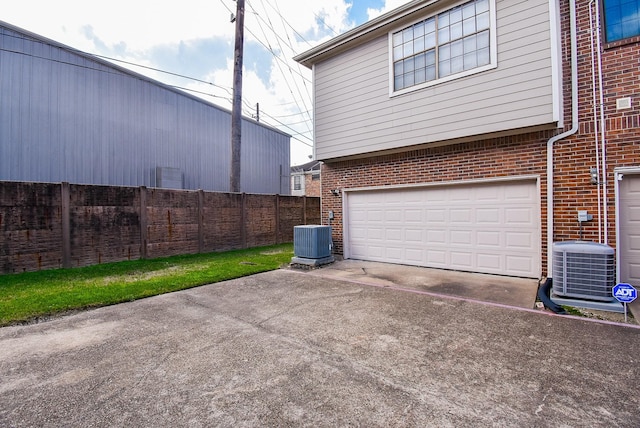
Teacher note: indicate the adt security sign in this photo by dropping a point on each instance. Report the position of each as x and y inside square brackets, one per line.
[624, 293]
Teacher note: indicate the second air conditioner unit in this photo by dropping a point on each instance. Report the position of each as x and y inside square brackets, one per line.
[584, 270]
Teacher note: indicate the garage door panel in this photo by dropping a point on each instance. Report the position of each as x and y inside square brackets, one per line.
[634, 213]
[488, 215]
[394, 253]
[629, 245]
[437, 215]
[395, 235]
[489, 262]
[376, 251]
[489, 239]
[375, 234]
[463, 237]
[460, 215]
[488, 194]
[413, 216]
[516, 264]
[492, 228]
[518, 216]
[462, 260]
[413, 236]
[394, 215]
[634, 242]
[436, 195]
[436, 237]
[358, 215]
[519, 240]
[375, 216]
[520, 192]
[415, 255]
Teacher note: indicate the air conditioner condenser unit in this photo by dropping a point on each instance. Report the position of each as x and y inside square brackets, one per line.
[312, 244]
[584, 270]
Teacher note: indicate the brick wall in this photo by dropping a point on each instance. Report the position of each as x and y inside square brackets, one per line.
[45, 226]
[311, 186]
[525, 154]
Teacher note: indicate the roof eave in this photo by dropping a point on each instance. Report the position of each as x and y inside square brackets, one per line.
[361, 33]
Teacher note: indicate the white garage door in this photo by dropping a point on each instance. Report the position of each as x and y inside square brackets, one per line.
[490, 227]
[629, 246]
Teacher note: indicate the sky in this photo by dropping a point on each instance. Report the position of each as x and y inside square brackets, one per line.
[193, 40]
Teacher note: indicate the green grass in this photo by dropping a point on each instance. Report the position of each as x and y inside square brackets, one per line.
[33, 295]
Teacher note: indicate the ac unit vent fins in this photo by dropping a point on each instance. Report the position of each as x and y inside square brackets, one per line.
[312, 241]
[584, 270]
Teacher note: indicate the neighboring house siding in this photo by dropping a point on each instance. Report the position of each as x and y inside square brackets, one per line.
[68, 117]
[298, 184]
[354, 112]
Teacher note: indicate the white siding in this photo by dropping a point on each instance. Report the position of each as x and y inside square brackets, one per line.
[354, 113]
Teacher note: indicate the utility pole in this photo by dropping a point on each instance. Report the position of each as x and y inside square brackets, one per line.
[236, 111]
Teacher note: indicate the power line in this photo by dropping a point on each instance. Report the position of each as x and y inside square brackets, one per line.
[270, 25]
[228, 90]
[265, 46]
[290, 69]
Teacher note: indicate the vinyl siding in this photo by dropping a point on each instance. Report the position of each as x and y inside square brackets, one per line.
[66, 117]
[354, 113]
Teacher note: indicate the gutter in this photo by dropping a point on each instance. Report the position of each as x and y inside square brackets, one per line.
[554, 139]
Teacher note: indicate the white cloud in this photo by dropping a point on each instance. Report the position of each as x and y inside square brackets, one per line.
[388, 6]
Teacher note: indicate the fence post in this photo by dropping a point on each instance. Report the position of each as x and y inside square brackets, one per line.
[143, 222]
[304, 209]
[277, 219]
[243, 220]
[65, 200]
[200, 221]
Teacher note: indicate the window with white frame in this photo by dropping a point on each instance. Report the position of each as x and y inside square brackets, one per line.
[297, 182]
[449, 43]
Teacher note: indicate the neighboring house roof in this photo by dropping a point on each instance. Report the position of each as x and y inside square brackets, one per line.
[363, 33]
[307, 167]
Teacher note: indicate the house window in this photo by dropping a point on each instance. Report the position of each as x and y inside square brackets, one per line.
[447, 44]
[297, 182]
[621, 19]
[315, 176]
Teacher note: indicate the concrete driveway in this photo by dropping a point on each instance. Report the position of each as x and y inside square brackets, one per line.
[292, 348]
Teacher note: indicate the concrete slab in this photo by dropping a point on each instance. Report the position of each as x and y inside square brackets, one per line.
[293, 348]
[510, 291]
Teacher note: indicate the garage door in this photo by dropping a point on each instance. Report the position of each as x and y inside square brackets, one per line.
[490, 227]
[629, 246]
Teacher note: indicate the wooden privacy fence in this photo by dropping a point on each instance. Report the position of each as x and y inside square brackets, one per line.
[54, 225]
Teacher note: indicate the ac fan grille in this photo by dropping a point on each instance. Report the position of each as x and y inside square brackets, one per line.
[584, 275]
[312, 241]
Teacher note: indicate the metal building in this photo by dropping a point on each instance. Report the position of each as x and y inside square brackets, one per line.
[69, 116]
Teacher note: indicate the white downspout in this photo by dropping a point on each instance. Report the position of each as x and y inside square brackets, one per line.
[603, 140]
[595, 111]
[573, 130]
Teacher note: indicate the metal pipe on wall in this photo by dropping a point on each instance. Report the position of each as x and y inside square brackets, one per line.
[553, 140]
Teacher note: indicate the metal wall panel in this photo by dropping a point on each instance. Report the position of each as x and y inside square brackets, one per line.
[69, 117]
